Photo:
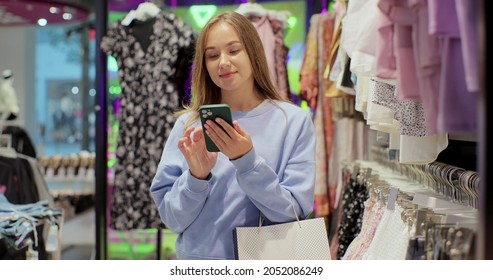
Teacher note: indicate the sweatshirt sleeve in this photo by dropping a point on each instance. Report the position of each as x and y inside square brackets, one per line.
[275, 194]
[178, 195]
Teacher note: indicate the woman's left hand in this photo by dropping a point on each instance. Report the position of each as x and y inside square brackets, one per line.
[234, 143]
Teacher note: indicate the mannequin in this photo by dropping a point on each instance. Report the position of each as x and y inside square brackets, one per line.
[9, 108]
[9, 117]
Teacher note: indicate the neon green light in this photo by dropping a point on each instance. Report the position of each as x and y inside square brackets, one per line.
[202, 13]
[304, 106]
[112, 64]
[292, 21]
[331, 6]
[115, 90]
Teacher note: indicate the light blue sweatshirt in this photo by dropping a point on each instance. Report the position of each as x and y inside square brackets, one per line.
[279, 169]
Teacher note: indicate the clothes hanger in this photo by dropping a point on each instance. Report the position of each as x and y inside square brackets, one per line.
[144, 11]
[251, 8]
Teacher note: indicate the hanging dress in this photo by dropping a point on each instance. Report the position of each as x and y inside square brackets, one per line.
[152, 80]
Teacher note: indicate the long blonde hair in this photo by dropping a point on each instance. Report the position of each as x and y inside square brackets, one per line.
[204, 91]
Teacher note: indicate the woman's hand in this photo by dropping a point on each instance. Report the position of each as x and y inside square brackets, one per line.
[192, 145]
[234, 143]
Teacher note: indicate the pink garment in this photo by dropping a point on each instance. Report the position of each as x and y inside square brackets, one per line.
[374, 211]
[457, 107]
[280, 58]
[407, 80]
[468, 13]
[428, 63]
[309, 71]
[385, 56]
[416, 53]
[443, 18]
[458, 112]
[321, 182]
[266, 34]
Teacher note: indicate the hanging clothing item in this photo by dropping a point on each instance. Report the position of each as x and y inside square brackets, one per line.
[264, 29]
[153, 83]
[270, 25]
[281, 52]
[309, 72]
[353, 207]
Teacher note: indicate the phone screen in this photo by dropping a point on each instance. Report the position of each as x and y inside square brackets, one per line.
[211, 112]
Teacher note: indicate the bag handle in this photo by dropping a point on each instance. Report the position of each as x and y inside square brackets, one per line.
[294, 210]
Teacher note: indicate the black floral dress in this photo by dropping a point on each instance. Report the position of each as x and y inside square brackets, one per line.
[152, 79]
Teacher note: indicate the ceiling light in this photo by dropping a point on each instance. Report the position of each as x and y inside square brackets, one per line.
[67, 16]
[42, 22]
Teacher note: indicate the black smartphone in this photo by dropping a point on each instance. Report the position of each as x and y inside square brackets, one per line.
[211, 112]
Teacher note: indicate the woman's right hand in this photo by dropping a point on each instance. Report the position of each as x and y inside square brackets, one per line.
[192, 145]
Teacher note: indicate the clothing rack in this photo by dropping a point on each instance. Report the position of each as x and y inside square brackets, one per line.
[436, 229]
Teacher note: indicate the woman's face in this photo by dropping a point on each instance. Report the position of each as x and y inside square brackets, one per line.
[226, 59]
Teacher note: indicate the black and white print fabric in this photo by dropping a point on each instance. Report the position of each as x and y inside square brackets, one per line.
[153, 85]
[410, 114]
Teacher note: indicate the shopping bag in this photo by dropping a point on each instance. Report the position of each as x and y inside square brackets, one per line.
[298, 240]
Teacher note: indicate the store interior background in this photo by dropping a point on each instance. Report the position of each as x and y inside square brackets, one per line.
[50, 46]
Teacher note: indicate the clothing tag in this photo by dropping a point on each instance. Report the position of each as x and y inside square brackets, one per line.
[392, 198]
[32, 254]
[393, 155]
[52, 239]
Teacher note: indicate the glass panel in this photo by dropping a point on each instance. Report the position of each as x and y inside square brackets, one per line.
[64, 89]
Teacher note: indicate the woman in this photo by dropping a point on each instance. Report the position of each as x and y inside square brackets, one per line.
[266, 163]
